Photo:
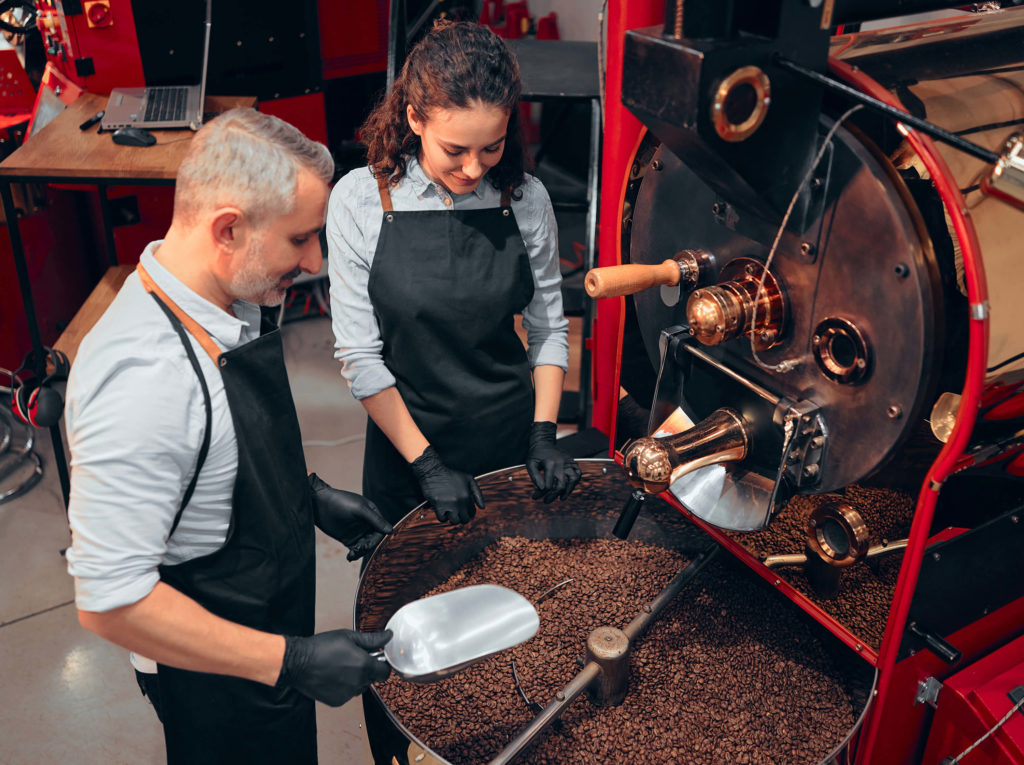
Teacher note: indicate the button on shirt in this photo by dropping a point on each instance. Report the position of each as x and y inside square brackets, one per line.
[354, 220]
[135, 420]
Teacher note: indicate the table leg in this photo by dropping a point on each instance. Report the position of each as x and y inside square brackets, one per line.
[25, 285]
[108, 229]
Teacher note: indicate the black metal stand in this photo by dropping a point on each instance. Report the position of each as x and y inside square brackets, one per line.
[40, 355]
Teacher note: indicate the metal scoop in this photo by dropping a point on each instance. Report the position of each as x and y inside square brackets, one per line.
[438, 636]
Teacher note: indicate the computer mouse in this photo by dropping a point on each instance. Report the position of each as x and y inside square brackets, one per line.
[133, 136]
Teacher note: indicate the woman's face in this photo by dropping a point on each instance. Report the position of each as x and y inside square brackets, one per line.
[459, 146]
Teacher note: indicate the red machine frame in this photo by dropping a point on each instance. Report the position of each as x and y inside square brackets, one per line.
[895, 728]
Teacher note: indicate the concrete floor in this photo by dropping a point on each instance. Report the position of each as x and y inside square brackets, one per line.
[68, 696]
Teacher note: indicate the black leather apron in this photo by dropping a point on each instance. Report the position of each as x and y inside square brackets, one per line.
[264, 575]
[445, 287]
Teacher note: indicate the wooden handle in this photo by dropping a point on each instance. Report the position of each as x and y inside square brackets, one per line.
[615, 281]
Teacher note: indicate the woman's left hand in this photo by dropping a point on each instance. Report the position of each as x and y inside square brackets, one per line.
[553, 472]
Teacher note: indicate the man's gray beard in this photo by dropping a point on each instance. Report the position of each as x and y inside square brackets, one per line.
[251, 283]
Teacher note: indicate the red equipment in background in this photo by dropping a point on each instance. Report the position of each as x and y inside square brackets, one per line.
[96, 45]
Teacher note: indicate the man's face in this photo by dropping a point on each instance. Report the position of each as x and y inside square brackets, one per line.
[287, 246]
[459, 146]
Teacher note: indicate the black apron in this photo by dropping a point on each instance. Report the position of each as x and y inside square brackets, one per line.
[264, 575]
[445, 287]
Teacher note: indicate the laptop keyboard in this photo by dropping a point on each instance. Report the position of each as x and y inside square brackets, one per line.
[164, 104]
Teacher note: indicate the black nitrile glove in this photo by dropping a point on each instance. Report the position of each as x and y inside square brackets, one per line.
[453, 495]
[553, 472]
[335, 666]
[353, 520]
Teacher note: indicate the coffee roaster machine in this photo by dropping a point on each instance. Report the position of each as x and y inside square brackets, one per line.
[810, 252]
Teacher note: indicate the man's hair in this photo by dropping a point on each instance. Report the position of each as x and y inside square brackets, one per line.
[247, 160]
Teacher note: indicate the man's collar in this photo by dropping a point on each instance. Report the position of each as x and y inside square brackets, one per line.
[225, 328]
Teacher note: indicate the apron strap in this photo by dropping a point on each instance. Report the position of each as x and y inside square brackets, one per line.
[204, 448]
[174, 312]
[385, 194]
[200, 334]
[506, 197]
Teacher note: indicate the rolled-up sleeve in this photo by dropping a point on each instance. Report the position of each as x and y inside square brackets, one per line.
[131, 461]
[547, 329]
[358, 345]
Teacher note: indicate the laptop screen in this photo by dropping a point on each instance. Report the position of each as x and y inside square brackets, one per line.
[170, 37]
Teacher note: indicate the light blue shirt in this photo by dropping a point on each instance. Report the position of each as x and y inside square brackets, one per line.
[354, 218]
[135, 420]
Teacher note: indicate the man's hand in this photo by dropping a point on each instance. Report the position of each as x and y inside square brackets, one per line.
[453, 495]
[553, 472]
[351, 519]
[333, 667]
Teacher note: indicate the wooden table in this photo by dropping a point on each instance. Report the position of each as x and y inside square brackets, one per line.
[61, 153]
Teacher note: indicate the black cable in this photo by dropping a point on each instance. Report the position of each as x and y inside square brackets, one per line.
[1002, 364]
[979, 152]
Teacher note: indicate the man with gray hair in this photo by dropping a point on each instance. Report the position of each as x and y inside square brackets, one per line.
[191, 512]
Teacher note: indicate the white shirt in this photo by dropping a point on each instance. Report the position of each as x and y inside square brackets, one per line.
[354, 218]
[135, 420]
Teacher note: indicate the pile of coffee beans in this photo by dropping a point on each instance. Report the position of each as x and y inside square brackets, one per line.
[730, 673]
[866, 588]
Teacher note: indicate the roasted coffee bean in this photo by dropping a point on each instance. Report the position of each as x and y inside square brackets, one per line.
[729, 673]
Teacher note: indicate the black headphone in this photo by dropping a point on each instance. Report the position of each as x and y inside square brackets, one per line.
[33, 401]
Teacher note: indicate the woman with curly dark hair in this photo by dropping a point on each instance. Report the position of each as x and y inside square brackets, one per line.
[434, 248]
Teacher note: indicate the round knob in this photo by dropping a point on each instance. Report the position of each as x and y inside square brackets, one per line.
[648, 465]
[747, 301]
[714, 314]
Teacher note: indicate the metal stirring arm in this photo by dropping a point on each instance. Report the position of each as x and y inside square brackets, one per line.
[799, 559]
[592, 670]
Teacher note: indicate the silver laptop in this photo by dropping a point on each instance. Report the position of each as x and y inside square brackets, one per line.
[163, 106]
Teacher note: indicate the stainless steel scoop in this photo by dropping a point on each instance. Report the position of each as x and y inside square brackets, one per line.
[440, 635]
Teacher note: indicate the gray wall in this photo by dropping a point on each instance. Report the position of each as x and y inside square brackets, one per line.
[577, 19]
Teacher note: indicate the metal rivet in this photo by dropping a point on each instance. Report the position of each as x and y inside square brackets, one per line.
[807, 248]
[222, 361]
[717, 208]
[657, 165]
[389, 217]
[901, 270]
[894, 412]
[859, 647]
[936, 557]
[505, 212]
